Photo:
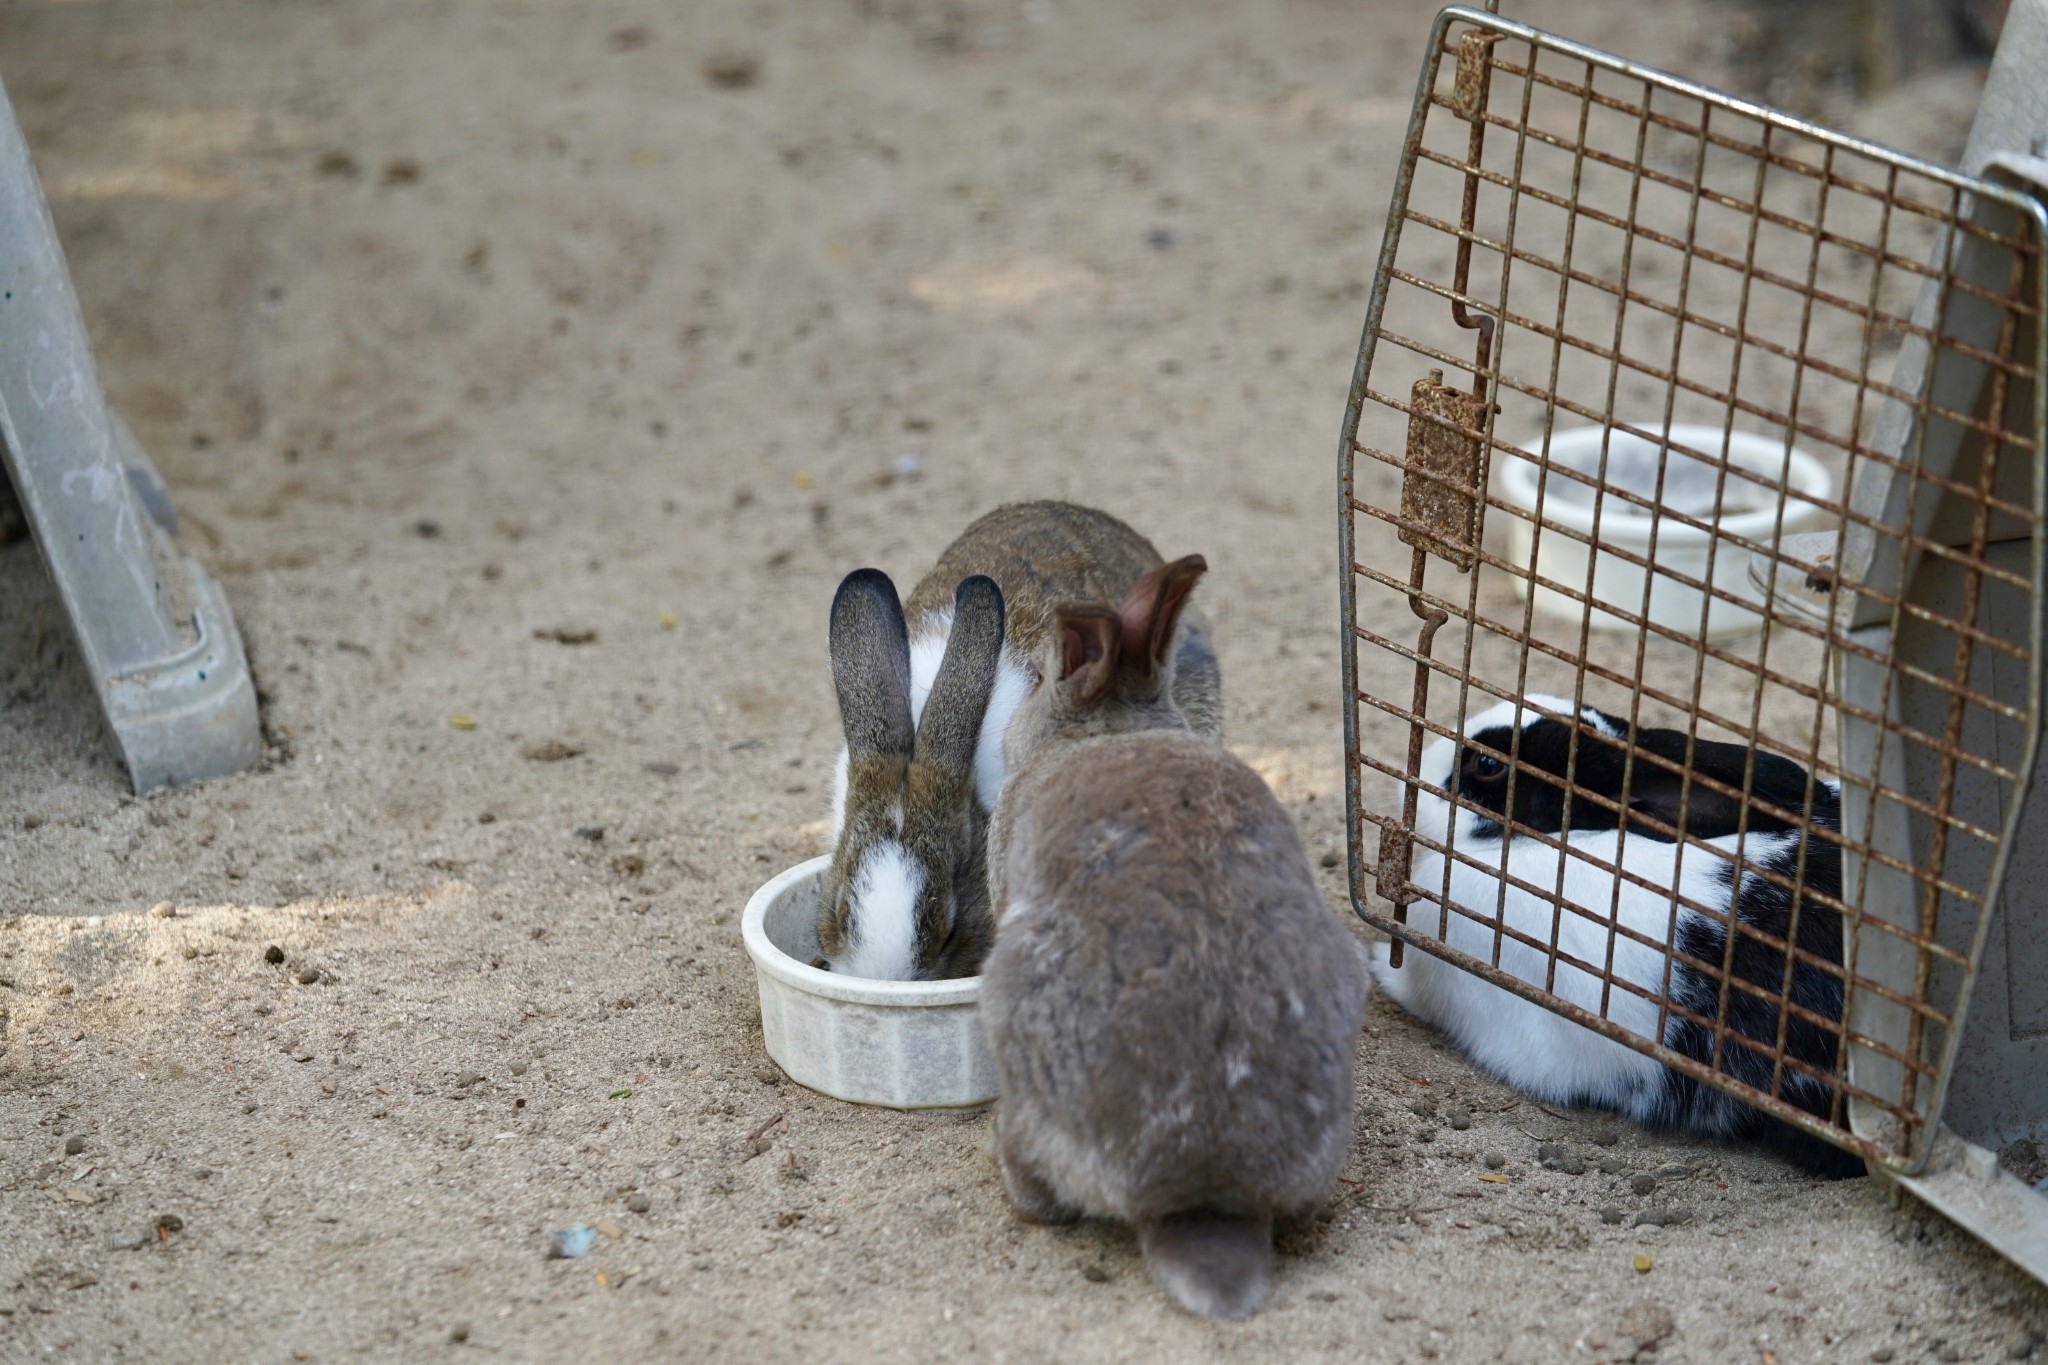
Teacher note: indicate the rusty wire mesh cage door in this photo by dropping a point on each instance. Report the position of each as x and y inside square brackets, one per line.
[1630, 430]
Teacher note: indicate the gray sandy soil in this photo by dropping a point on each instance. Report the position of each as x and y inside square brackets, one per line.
[461, 330]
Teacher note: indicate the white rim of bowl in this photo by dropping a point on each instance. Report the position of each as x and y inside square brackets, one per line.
[857, 990]
[1807, 477]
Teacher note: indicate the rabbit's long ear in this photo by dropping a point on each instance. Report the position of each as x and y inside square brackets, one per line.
[1151, 611]
[1090, 636]
[1709, 814]
[951, 725]
[871, 666]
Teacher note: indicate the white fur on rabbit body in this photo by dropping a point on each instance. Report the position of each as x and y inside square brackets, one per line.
[1015, 677]
[1548, 1056]
[884, 945]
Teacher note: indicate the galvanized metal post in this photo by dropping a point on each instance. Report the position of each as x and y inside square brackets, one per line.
[155, 632]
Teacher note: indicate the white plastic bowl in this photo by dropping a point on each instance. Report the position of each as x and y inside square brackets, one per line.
[902, 1044]
[1749, 509]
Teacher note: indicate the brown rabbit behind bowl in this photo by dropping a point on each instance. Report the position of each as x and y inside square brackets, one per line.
[927, 691]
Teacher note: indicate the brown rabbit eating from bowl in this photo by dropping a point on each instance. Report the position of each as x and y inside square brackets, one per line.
[1172, 1009]
[926, 695]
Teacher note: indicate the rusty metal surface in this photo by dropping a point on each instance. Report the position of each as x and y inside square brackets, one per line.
[1445, 472]
[1644, 256]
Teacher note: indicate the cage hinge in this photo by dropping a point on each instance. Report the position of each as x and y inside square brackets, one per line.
[1475, 73]
[1443, 492]
[1390, 879]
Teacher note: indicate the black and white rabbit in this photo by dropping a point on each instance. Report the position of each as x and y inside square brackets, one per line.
[1545, 1054]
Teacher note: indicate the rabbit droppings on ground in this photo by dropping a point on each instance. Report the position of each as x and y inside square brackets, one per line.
[925, 704]
[1172, 1008]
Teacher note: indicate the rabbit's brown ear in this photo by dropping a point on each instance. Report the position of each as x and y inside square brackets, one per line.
[1089, 634]
[950, 728]
[871, 666]
[1152, 610]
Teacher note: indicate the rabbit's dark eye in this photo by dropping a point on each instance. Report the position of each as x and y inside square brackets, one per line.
[1487, 767]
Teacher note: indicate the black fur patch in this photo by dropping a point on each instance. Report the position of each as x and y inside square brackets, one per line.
[1540, 796]
[1767, 907]
[1656, 795]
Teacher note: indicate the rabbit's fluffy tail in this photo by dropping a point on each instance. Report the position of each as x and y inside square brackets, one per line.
[1216, 1265]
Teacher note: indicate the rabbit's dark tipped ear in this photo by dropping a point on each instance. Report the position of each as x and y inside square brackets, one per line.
[1089, 635]
[1711, 814]
[951, 725]
[1152, 610]
[871, 665]
[1693, 808]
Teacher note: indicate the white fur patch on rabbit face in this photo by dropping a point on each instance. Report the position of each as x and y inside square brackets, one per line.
[885, 893]
[1440, 759]
[1532, 708]
[883, 896]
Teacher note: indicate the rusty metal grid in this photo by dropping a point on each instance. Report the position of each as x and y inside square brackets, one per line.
[1576, 240]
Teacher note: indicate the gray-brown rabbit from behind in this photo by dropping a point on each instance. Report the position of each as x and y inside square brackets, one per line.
[1172, 1009]
[926, 695]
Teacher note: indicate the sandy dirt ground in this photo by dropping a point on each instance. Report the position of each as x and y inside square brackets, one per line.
[464, 331]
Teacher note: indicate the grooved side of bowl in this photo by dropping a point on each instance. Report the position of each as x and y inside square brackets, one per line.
[1675, 548]
[900, 1044]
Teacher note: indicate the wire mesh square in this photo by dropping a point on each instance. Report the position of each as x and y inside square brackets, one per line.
[1726, 426]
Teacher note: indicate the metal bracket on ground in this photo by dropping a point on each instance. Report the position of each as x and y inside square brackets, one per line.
[154, 631]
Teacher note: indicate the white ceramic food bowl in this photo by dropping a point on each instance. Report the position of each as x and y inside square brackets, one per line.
[1749, 509]
[903, 1044]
